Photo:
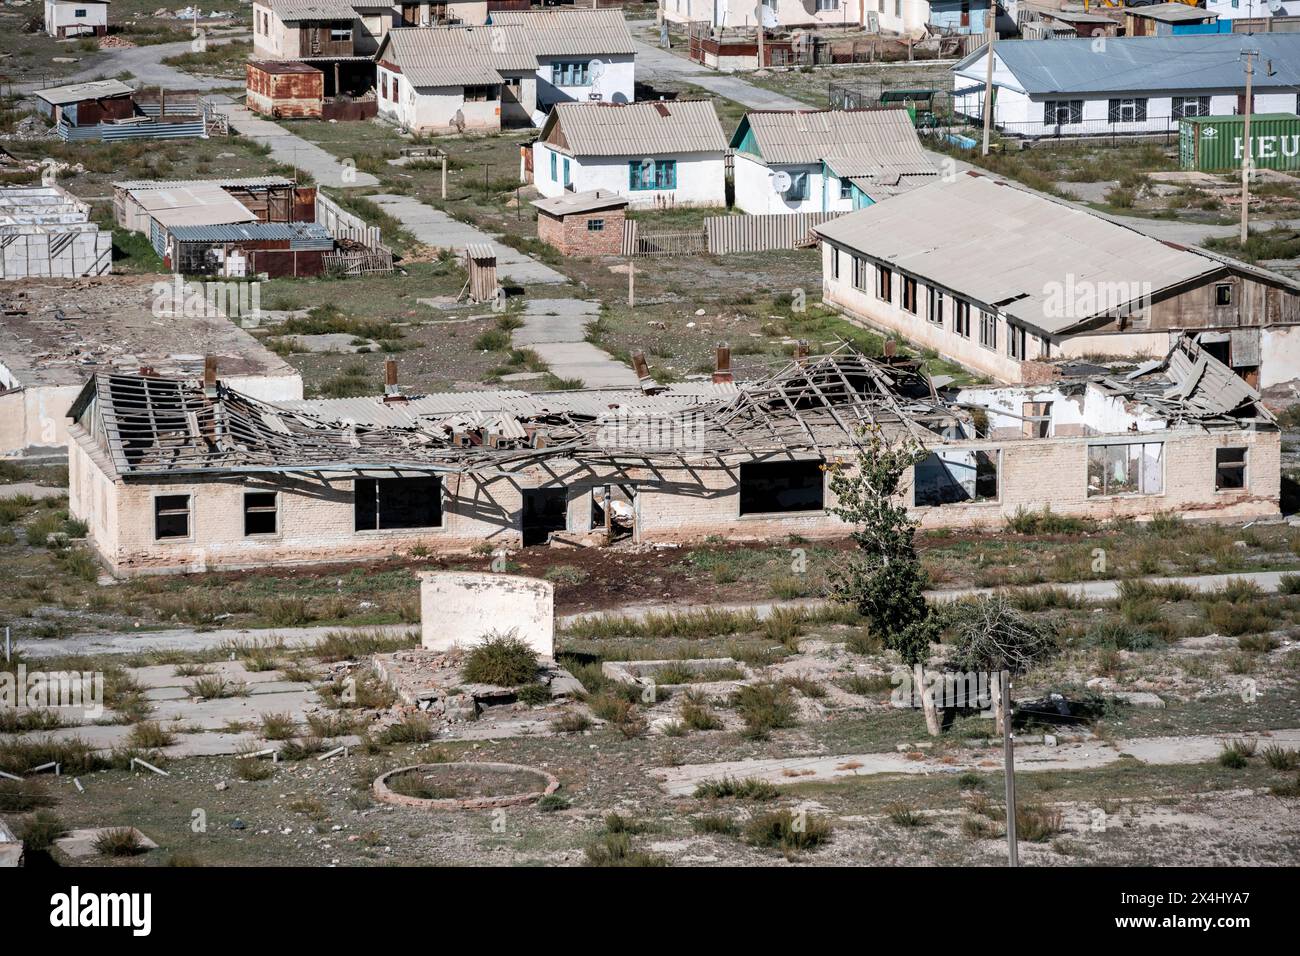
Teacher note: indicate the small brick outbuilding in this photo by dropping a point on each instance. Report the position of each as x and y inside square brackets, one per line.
[583, 224]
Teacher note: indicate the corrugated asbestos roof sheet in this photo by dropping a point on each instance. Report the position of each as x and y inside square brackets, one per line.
[1172, 13]
[312, 9]
[873, 142]
[254, 232]
[1139, 64]
[456, 56]
[1007, 247]
[206, 205]
[640, 129]
[567, 204]
[247, 182]
[76, 92]
[571, 32]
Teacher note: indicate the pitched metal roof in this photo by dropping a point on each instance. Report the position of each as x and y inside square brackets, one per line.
[1013, 249]
[311, 9]
[639, 129]
[254, 232]
[246, 182]
[567, 204]
[571, 32]
[461, 55]
[1137, 64]
[76, 92]
[877, 143]
[456, 56]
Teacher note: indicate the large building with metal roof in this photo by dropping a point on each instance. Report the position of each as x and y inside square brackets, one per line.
[1008, 282]
[1127, 84]
[445, 78]
[661, 153]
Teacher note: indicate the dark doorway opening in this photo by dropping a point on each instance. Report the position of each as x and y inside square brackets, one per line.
[545, 510]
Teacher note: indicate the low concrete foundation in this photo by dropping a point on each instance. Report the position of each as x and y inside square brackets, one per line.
[461, 608]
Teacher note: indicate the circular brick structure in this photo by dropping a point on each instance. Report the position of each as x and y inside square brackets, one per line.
[545, 781]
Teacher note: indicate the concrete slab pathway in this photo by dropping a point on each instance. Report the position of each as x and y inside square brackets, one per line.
[436, 229]
[293, 150]
[682, 781]
[556, 329]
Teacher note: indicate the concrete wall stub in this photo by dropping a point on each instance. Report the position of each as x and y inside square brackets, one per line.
[461, 608]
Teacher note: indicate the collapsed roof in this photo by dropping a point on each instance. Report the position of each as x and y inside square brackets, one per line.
[152, 426]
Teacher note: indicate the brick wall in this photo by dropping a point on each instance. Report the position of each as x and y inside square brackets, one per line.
[573, 236]
[674, 504]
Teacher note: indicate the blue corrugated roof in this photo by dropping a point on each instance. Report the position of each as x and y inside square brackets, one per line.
[1177, 64]
[254, 231]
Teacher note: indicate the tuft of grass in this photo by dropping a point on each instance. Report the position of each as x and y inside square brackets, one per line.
[900, 814]
[1037, 824]
[278, 726]
[615, 849]
[40, 832]
[215, 687]
[150, 735]
[551, 803]
[252, 769]
[970, 781]
[764, 707]
[715, 823]
[697, 714]
[747, 788]
[411, 729]
[1280, 758]
[788, 831]
[571, 722]
[302, 748]
[501, 659]
[119, 841]
[804, 685]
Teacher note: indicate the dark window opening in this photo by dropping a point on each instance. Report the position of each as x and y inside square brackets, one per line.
[1223, 294]
[884, 283]
[769, 487]
[1229, 468]
[956, 476]
[545, 510]
[961, 318]
[171, 516]
[909, 294]
[260, 513]
[595, 225]
[385, 504]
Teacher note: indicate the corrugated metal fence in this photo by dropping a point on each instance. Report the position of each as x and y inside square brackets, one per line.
[723, 234]
[761, 233]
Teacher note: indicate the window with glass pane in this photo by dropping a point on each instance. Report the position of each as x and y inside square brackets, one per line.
[934, 309]
[988, 330]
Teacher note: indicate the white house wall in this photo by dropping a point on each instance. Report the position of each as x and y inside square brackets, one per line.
[64, 15]
[701, 177]
[755, 195]
[617, 83]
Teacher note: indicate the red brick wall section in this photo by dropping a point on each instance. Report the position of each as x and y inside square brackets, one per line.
[571, 235]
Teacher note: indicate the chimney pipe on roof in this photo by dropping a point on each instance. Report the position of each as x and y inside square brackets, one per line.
[210, 376]
[722, 373]
[391, 391]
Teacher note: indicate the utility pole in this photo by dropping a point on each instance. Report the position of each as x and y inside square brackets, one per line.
[1247, 154]
[990, 28]
[1009, 761]
[631, 282]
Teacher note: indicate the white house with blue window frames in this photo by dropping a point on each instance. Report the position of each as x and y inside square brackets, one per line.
[653, 154]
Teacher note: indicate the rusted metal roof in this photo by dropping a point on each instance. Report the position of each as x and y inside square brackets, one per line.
[639, 129]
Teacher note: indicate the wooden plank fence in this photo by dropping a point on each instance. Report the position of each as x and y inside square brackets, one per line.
[359, 262]
[638, 242]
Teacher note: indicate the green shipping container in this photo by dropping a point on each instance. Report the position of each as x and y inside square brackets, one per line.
[1215, 143]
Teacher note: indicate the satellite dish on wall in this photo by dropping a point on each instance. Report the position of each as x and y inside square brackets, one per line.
[596, 69]
[1274, 6]
[769, 18]
[781, 181]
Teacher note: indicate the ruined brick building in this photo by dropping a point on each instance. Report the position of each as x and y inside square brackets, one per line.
[182, 475]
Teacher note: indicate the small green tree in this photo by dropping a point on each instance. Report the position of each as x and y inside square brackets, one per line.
[884, 579]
